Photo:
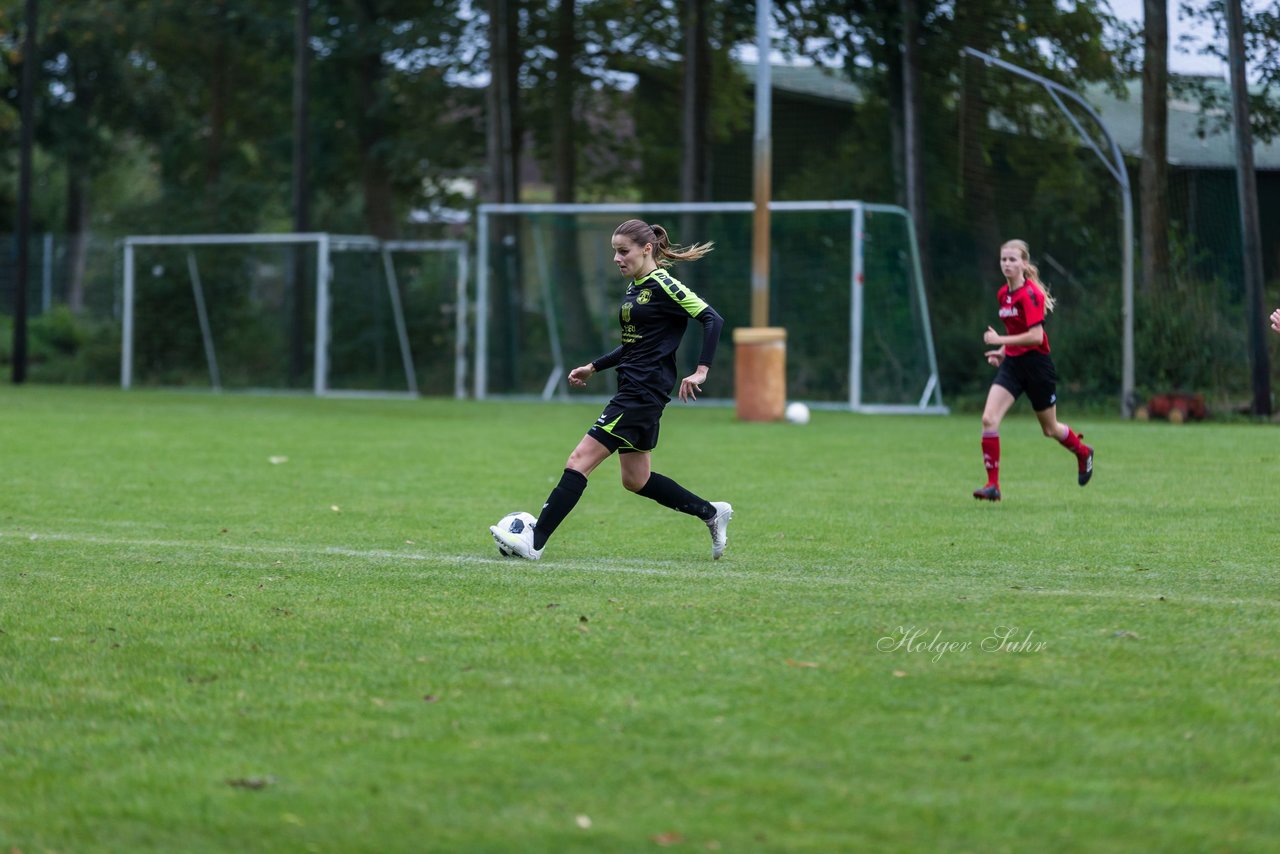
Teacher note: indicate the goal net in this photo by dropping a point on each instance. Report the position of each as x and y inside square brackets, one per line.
[845, 282]
[334, 314]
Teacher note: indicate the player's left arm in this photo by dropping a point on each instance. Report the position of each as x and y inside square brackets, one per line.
[712, 323]
[697, 308]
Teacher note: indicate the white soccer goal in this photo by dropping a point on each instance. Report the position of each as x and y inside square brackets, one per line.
[247, 302]
[845, 282]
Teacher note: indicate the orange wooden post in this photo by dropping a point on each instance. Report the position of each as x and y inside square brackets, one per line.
[760, 372]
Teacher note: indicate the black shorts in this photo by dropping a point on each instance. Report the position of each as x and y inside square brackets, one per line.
[1033, 373]
[628, 425]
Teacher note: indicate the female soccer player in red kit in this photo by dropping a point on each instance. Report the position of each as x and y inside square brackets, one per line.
[1024, 365]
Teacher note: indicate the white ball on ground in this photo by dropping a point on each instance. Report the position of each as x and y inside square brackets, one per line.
[797, 413]
[512, 523]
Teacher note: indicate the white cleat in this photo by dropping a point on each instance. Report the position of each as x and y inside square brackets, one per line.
[520, 545]
[719, 527]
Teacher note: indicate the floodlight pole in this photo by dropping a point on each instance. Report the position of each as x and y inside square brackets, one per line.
[763, 175]
[1116, 166]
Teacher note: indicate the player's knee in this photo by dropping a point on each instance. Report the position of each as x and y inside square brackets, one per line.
[990, 422]
[633, 483]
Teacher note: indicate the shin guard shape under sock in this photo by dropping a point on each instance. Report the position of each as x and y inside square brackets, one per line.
[668, 493]
[559, 504]
[991, 457]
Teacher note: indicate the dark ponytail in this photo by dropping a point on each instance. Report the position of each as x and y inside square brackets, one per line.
[664, 252]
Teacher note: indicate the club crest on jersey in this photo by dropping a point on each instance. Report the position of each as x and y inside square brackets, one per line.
[644, 296]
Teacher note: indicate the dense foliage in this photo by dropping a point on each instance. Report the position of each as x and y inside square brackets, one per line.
[159, 115]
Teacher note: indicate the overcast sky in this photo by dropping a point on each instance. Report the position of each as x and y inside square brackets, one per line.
[1131, 10]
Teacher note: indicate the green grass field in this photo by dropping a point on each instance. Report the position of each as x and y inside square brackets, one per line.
[203, 650]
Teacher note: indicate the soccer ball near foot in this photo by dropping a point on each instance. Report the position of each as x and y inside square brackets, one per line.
[513, 523]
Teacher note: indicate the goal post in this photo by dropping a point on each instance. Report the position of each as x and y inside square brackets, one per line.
[283, 307]
[845, 280]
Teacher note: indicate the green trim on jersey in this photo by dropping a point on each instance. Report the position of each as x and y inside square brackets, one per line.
[682, 296]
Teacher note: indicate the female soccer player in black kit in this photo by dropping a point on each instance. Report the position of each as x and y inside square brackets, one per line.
[1022, 357]
[656, 308]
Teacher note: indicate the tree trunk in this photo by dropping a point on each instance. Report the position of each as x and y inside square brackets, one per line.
[1250, 231]
[912, 132]
[897, 119]
[503, 146]
[503, 138]
[219, 87]
[1154, 171]
[301, 198]
[977, 188]
[567, 284]
[696, 107]
[375, 177]
[695, 166]
[563, 139]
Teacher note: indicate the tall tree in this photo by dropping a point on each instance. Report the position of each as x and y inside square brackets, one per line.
[912, 132]
[300, 186]
[1261, 33]
[695, 139]
[1247, 190]
[1154, 170]
[695, 103]
[503, 110]
[973, 26]
[26, 98]
[503, 139]
[567, 273]
[85, 102]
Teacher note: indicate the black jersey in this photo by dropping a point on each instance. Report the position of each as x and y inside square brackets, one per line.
[655, 312]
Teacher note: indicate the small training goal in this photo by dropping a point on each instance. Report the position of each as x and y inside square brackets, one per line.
[334, 314]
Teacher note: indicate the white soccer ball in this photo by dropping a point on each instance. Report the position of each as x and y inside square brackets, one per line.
[797, 413]
[513, 523]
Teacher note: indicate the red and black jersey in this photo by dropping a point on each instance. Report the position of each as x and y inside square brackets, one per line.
[1021, 309]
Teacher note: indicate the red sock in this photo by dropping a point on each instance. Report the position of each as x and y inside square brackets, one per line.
[991, 457]
[1071, 441]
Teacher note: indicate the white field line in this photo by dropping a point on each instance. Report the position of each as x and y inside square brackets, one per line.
[1168, 598]
[669, 568]
[442, 560]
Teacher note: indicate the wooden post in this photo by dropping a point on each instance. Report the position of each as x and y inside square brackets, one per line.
[760, 360]
[760, 372]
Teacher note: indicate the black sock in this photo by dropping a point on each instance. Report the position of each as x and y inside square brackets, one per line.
[668, 493]
[559, 504]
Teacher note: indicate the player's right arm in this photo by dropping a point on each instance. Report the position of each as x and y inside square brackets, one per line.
[608, 360]
[578, 376]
